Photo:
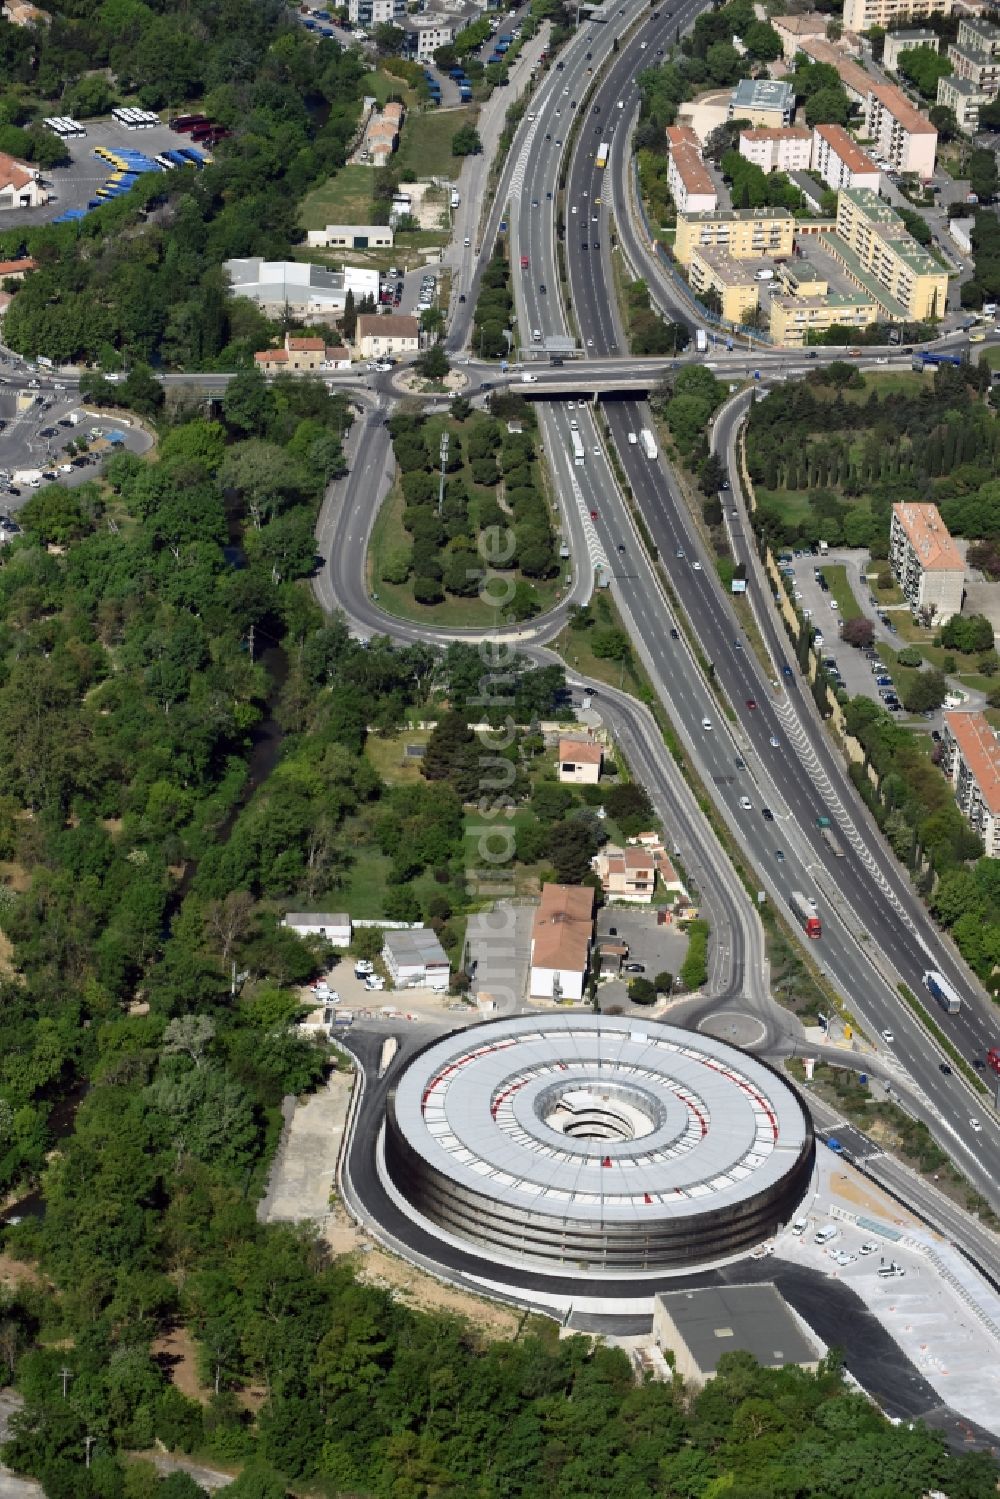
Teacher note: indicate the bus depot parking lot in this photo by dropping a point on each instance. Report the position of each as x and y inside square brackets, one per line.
[73, 186]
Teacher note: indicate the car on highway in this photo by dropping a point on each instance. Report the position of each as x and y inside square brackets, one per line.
[706, 723]
[593, 515]
[751, 702]
[468, 241]
[888, 1037]
[767, 814]
[541, 288]
[633, 439]
[746, 804]
[597, 451]
[779, 856]
[525, 262]
[943, 1067]
[679, 553]
[697, 567]
[975, 1125]
[674, 633]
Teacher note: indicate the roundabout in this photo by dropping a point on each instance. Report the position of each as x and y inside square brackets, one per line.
[593, 1143]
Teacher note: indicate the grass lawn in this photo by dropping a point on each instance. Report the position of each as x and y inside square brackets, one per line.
[365, 883]
[425, 147]
[794, 505]
[574, 646]
[382, 86]
[992, 357]
[387, 754]
[836, 575]
[345, 198]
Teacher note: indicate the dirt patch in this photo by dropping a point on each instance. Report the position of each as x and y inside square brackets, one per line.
[112, 825]
[14, 875]
[860, 1195]
[18, 1272]
[415, 1288]
[174, 1351]
[7, 968]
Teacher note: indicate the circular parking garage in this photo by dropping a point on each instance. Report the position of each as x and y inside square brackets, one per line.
[595, 1142]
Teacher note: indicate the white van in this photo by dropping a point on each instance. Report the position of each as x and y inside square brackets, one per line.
[825, 1234]
[799, 1227]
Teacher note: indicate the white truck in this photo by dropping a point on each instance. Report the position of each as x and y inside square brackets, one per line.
[701, 341]
[648, 442]
[456, 197]
[29, 477]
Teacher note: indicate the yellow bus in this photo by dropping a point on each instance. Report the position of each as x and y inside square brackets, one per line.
[602, 154]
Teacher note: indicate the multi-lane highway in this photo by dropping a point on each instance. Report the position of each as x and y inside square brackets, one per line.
[785, 760]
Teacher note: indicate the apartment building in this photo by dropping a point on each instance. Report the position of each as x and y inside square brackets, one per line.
[763, 101]
[854, 78]
[903, 136]
[744, 233]
[425, 34]
[735, 283]
[785, 148]
[375, 12]
[794, 319]
[925, 562]
[966, 100]
[840, 161]
[975, 55]
[879, 247]
[906, 41]
[971, 761]
[689, 180]
[861, 15]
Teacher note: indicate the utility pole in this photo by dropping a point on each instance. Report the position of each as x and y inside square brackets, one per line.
[88, 1442]
[445, 439]
[65, 1375]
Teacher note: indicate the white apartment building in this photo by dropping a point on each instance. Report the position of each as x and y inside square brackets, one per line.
[925, 562]
[965, 100]
[905, 41]
[777, 148]
[971, 761]
[903, 136]
[975, 55]
[690, 183]
[840, 161]
[375, 12]
[861, 15]
[426, 33]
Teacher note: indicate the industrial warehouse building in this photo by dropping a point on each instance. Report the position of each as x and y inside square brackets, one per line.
[699, 1326]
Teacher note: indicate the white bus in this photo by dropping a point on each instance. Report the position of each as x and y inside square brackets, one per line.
[648, 442]
[578, 449]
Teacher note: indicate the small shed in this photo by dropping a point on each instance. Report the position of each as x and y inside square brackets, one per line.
[334, 927]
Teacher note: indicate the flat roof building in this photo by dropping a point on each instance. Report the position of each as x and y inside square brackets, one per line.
[903, 136]
[905, 41]
[560, 941]
[334, 926]
[416, 960]
[840, 161]
[910, 277]
[737, 287]
[965, 100]
[794, 319]
[311, 291]
[763, 101]
[699, 1326]
[975, 55]
[782, 148]
[745, 233]
[689, 180]
[971, 761]
[925, 562]
[352, 237]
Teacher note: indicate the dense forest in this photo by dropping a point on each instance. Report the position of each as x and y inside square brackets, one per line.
[830, 461]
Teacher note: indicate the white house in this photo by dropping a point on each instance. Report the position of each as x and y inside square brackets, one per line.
[580, 761]
[334, 928]
[416, 960]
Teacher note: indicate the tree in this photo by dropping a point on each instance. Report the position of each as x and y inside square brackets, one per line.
[828, 106]
[983, 175]
[433, 363]
[923, 66]
[858, 632]
[349, 318]
[641, 991]
[466, 142]
[924, 691]
[967, 633]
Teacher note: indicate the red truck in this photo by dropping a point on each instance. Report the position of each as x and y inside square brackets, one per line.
[805, 914]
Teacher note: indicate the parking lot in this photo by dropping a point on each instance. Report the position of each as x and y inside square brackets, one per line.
[848, 666]
[499, 944]
[36, 427]
[659, 949]
[74, 185]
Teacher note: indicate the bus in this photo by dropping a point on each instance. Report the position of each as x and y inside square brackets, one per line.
[936, 983]
[648, 442]
[931, 361]
[578, 449]
[805, 915]
[602, 154]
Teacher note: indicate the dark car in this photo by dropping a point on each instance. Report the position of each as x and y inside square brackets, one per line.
[461, 297]
[674, 633]
[786, 671]
[779, 856]
[767, 814]
[541, 288]
[635, 968]
[936, 735]
[943, 1067]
